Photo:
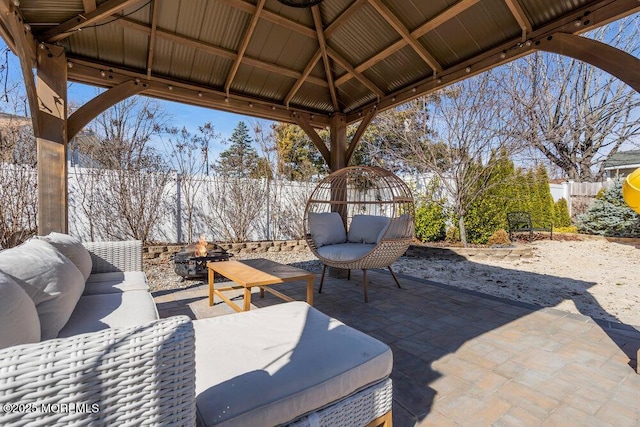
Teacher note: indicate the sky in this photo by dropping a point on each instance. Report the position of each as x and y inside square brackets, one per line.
[181, 114]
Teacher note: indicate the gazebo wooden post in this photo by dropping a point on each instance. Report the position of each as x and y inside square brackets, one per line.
[51, 138]
[338, 133]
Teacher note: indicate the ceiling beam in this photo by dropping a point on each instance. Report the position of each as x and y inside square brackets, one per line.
[307, 70]
[349, 69]
[400, 28]
[216, 50]
[243, 45]
[518, 12]
[317, 21]
[272, 17]
[80, 21]
[89, 5]
[152, 35]
[423, 29]
[344, 17]
[608, 58]
[89, 72]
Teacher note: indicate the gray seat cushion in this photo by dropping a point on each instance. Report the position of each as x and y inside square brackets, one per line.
[271, 365]
[326, 228]
[97, 312]
[345, 251]
[18, 315]
[116, 282]
[72, 248]
[366, 228]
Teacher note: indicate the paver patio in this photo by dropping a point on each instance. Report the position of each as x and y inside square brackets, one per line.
[464, 358]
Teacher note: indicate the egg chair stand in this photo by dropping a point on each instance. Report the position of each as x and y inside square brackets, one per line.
[359, 217]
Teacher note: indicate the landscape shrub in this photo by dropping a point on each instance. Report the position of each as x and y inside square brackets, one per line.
[569, 229]
[561, 217]
[431, 222]
[609, 215]
[453, 234]
[499, 237]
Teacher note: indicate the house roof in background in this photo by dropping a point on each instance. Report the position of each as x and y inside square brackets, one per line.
[623, 159]
[264, 59]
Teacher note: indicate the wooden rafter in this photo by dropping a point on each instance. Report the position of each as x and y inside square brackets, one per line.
[359, 132]
[349, 69]
[152, 35]
[25, 50]
[244, 44]
[608, 58]
[305, 75]
[317, 21]
[83, 115]
[67, 28]
[344, 17]
[423, 29]
[157, 86]
[518, 12]
[216, 50]
[313, 135]
[401, 29]
[272, 17]
[89, 5]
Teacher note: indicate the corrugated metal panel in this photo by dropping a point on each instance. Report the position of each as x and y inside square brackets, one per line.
[110, 44]
[363, 36]
[541, 11]
[135, 48]
[353, 93]
[314, 97]
[210, 70]
[162, 56]
[181, 61]
[84, 44]
[330, 10]
[49, 11]
[414, 13]
[398, 70]
[224, 25]
[299, 15]
[260, 83]
[278, 45]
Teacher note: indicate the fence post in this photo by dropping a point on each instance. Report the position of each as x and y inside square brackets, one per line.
[178, 208]
[567, 193]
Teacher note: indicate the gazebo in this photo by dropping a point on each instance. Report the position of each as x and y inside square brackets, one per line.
[319, 64]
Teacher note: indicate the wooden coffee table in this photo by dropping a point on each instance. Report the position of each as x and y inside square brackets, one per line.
[256, 272]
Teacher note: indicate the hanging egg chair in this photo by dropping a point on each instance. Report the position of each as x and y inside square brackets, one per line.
[359, 217]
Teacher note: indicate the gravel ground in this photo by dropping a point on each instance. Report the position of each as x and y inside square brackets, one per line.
[596, 278]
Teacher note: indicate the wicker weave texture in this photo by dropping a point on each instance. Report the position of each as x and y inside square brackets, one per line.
[356, 410]
[142, 375]
[108, 257]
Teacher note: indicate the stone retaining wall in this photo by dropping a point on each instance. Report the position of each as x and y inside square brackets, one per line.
[519, 251]
[165, 251]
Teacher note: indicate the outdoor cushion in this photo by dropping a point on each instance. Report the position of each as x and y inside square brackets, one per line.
[326, 228]
[72, 248]
[366, 228]
[271, 365]
[18, 315]
[345, 251]
[52, 281]
[97, 312]
[398, 228]
[116, 282]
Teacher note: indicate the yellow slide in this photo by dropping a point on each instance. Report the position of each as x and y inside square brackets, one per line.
[631, 190]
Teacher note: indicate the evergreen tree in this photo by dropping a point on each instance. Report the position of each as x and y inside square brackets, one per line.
[609, 215]
[543, 195]
[561, 217]
[240, 160]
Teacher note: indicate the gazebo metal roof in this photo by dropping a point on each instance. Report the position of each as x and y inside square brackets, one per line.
[265, 59]
[333, 64]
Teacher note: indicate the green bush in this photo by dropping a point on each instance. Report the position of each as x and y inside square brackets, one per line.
[453, 234]
[609, 215]
[431, 222]
[570, 229]
[561, 217]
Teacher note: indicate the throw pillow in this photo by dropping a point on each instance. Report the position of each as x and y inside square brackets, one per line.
[398, 228]
[326, 228]
[366, 228]
[72, 248]
[52, 281]
[18, 315]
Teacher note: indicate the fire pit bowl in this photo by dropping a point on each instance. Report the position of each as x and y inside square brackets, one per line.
[191, 261]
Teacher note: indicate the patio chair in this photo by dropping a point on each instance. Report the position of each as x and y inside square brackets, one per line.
[359, 217]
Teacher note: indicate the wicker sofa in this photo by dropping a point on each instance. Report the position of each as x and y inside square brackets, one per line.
[113, 362]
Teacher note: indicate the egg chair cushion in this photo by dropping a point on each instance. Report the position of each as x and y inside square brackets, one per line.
[345, 251]
[326, 228]
[398, 228]
[366, 228]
